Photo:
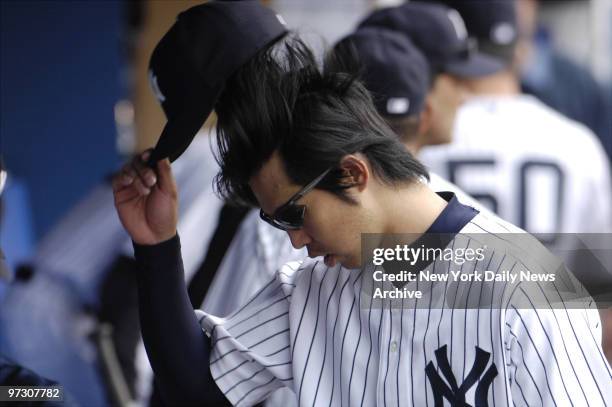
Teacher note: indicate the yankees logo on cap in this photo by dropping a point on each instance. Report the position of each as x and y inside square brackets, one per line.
[194, 59]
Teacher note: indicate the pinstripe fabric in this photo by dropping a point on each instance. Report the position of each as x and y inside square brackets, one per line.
[315, 330]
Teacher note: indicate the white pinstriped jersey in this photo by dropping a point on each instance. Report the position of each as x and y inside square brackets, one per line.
[311, 328]
[253, 257]
[529, 164]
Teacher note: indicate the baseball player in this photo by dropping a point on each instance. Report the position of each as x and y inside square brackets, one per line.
[309, 149]
[257, 250]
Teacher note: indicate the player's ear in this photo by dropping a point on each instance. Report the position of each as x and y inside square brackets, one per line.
[355, 171]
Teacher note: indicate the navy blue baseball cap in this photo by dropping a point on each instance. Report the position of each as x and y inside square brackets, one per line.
[194, 59]
[392, 69]
[493, 23]
[441, 35]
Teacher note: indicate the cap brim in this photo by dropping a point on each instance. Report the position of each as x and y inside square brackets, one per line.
[476, 65]
[180, 130]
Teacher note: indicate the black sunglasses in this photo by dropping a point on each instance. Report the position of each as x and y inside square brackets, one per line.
[290, 216]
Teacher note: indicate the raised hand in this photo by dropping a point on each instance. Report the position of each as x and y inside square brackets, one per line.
[146, 200]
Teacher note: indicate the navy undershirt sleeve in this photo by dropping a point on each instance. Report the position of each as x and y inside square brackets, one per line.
[177, 347]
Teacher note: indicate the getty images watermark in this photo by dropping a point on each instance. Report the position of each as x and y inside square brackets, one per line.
[478, 271]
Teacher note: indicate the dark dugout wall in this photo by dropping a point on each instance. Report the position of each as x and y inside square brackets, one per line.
[59, 79]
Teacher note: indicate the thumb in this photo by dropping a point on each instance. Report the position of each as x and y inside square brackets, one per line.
[165, 179]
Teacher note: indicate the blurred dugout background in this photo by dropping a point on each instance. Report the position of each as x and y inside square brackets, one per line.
[75, 100]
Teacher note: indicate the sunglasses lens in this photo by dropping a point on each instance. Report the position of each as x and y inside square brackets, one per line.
[290, 216]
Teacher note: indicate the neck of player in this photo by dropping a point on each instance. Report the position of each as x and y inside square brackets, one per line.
[409, 210]
[503, 83]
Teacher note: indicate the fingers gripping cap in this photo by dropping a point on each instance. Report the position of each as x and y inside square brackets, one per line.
[192, 62]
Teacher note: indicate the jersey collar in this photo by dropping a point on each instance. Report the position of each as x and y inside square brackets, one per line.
[454, 217]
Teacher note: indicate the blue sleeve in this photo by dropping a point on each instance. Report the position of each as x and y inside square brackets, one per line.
[176, 346]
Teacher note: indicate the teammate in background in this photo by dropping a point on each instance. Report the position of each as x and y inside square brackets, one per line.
[309, 148]
[418, 99]
[523, 160]
[518, 148]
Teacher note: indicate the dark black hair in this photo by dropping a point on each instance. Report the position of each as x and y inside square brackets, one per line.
[281, 100]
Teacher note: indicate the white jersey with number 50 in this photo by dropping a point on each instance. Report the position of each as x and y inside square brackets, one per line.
[529, 164]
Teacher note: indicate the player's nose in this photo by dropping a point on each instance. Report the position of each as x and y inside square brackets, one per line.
[298, 238]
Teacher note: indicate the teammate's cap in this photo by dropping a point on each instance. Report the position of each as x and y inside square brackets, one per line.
[492, 22]
[191, 63]
[393, 69]
[440, 33]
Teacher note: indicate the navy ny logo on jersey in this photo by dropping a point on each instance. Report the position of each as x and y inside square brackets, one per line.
[456, 394]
